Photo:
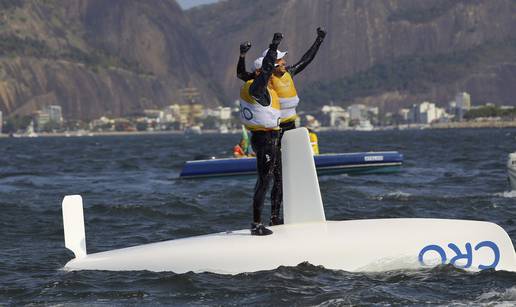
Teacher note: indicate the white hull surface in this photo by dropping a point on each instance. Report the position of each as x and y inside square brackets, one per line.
[360, 245]
[363, 245]
[511, 169]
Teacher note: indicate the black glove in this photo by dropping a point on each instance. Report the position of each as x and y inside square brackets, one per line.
[321, 33]
[277, 39]
[244, 47]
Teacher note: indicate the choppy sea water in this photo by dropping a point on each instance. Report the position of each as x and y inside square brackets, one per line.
[132, 196]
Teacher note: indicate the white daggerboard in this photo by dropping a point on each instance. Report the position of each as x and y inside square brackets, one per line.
[302, 201]
[73, 224]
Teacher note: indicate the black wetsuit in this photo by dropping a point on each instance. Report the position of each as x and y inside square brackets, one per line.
[277, 188]
[306, 59]
[265, 143]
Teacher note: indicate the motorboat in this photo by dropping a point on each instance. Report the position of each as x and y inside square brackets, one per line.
[193, 130]
[358, 163]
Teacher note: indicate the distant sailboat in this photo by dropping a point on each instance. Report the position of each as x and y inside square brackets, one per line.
[364, 125]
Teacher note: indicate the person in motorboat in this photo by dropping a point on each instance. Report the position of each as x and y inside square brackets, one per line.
[313, 141]
[243, 148]
[260, 112]
[283, 83]
[239, 151]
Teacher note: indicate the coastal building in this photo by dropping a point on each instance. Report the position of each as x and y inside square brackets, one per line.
[221, 113]
[102, 124]
[190, 114]
[452, 106]
[50, 117]
[197, 111]
[311, 122]
[357, 112]
[1, 121]
[463, 101]
[123, 124]
[172, 113]
[427, 113]
[217, 118]
[154, 113]
[462, 105]
[41, 118]
[55, 113]
[335, 116]
[152, 120]
[404, 114]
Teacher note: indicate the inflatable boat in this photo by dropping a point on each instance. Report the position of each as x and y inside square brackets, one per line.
[344, 163]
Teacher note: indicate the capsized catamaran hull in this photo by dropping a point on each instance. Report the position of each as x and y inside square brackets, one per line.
[363, 245]
[359, 245]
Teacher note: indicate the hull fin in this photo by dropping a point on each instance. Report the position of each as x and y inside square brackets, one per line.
[73, 225]
[302, 201]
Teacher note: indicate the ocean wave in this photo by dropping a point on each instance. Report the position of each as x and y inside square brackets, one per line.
[507, 194]
[500, 296]
[397, 195]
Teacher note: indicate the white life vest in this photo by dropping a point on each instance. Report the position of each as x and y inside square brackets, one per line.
[255, 116]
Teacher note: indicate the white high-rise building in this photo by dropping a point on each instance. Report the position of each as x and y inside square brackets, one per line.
[55, 113]
[172, 113]
[357, 112]
[463, 104]
[426, 113]
[463, 101]
[42, 118]
[336, 116]
[404, 114]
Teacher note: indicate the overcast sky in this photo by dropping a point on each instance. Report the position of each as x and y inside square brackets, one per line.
[186, 4]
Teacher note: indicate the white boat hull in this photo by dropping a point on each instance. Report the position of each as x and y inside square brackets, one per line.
[360, 245]
[511, 170]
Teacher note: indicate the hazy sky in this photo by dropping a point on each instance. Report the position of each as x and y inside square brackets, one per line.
[186, 4]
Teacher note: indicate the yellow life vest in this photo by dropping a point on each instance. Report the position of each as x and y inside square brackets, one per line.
[255, 116]
[314, 143]
[287, 94]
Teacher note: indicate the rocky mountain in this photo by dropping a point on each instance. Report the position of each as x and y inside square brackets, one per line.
[96, 57]
[383, 52]
[118, 57]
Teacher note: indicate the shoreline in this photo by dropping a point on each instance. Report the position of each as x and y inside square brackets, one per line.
[112, 133]
[453, 125]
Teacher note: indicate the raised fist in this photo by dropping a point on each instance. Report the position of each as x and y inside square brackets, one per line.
[244, 47]
[277, 38]
[321, 32]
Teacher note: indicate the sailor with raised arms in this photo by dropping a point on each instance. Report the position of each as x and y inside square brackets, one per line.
[260, 112]
[282, 83]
